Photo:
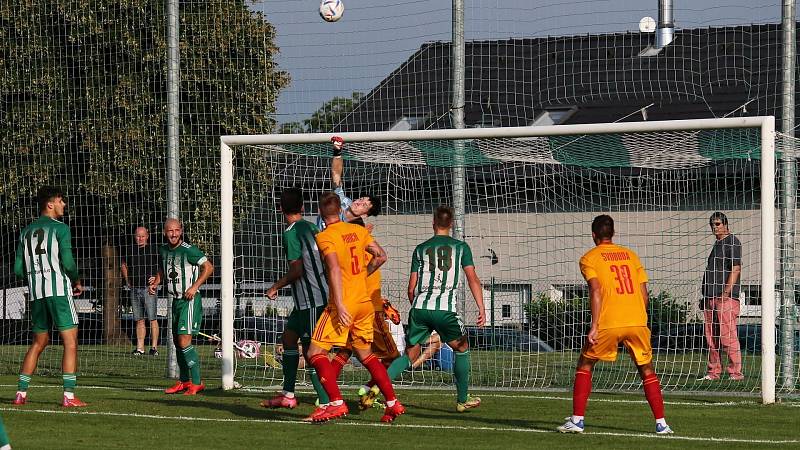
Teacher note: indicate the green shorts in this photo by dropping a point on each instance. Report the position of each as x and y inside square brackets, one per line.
[421, 322]
[302, 322]
[57, 310]
[187, 315]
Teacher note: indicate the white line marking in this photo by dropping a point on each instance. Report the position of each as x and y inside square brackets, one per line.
[396, 425]
[710, 404]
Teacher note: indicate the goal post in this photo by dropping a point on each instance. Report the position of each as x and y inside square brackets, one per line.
[301, 159]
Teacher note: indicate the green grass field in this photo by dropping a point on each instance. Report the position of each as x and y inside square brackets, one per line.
[495, 369]
[133, 413]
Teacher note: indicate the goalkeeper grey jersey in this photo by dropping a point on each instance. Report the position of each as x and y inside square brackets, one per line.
[44, 258]
[439, 264]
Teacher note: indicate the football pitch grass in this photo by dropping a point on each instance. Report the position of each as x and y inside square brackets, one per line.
[134, 413]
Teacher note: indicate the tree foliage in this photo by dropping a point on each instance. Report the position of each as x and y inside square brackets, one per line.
[327, 117]
[84, 88]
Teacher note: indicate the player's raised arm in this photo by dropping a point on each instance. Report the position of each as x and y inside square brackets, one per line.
[477, 293]
[337, 163]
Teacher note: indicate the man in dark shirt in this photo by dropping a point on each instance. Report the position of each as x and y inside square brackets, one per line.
[139, 266]
[721, 299]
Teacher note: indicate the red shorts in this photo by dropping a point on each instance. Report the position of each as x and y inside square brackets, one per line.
[635, 339]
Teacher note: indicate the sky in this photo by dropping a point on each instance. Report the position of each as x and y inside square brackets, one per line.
[374, 37]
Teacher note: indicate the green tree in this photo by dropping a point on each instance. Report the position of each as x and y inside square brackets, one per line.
[85, 85]
[84, 90]
[325, 119]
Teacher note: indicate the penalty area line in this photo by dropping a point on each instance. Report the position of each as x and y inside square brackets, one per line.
[394, 425]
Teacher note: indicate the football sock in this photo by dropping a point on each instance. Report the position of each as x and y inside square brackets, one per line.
[581, 391]
[398, 366]
[321, 394]
[291, 358]
[3, 436]
[70, 381]
[381, 377]
[193, 363]
[23, 382]
[461, 369]
[183, 369]
[325, 371]
[338, 362]
[662, 422]
[652, 391]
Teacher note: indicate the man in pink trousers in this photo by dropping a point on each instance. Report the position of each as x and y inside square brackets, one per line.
[721, 300]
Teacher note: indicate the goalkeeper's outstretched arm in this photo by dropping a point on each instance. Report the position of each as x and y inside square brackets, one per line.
[337, 164]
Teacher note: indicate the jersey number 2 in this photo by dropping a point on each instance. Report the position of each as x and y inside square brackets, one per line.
[39, 233]
[623, 277]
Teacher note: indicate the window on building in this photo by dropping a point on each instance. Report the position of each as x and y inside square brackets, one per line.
[554, 116]
[407, 123]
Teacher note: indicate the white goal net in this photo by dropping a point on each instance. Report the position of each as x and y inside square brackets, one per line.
[529, 196]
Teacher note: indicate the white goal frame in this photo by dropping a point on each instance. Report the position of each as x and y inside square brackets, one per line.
[766, 124]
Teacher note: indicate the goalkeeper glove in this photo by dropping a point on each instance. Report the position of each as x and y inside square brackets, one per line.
[391, 313]
[338, 144]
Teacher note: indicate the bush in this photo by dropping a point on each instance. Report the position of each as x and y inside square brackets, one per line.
[563, 323]
[664, 310]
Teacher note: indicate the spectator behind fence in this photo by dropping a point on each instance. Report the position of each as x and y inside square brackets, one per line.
[720, 301]
[139, 266]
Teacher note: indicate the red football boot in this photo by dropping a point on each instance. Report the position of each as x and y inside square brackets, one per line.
[73, 402]
[331, 412]
[392, 412]
[180, 386]
[193, 389]
[280, 401]
[19, 399]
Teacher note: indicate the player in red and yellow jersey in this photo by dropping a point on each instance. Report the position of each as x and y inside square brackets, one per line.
[618, 295]
[349, 315]
[383, 345]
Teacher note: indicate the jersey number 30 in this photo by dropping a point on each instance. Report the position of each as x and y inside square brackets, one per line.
[623, 278]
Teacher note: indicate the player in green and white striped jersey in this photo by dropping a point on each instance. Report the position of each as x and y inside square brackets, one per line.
[185, 268]
[310, 293]
[44, 259]
[436, 267]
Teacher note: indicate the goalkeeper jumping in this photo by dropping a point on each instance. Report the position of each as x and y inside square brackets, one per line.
[383, 345]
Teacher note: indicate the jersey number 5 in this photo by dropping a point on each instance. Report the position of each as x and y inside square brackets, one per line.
[623, 277]
[355, 267]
